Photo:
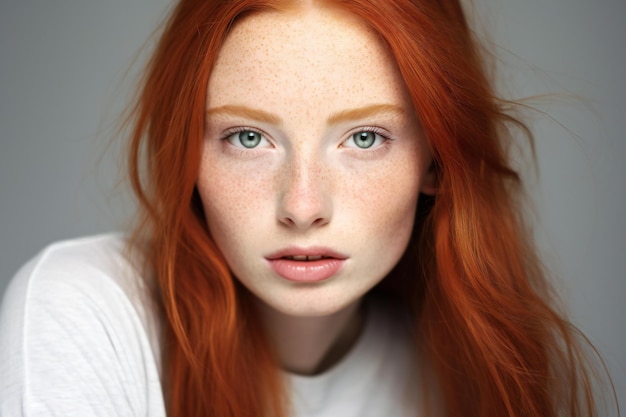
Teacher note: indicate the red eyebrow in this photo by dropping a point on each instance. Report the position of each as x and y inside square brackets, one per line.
[247, 112]
[341, 116]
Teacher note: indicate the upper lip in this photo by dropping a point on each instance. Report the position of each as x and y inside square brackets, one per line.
[313, 251]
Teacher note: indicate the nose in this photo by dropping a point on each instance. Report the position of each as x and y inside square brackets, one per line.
[304, 200]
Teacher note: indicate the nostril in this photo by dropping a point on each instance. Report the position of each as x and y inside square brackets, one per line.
[288, 221]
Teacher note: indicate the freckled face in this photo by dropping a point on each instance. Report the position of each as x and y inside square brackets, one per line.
[311, 144]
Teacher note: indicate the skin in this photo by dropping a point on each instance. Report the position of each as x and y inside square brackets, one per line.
[301, 79]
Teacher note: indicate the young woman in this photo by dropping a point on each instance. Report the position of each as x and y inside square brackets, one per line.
[329, 226]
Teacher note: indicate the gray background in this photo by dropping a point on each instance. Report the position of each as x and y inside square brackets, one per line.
[64, 81]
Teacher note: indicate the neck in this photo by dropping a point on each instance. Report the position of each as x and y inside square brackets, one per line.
[311, 345]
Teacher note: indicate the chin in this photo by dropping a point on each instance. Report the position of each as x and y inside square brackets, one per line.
[309, 302]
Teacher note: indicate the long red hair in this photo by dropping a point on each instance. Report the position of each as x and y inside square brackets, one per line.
[483, 310]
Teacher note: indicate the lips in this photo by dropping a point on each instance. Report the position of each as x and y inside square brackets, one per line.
[306, 265]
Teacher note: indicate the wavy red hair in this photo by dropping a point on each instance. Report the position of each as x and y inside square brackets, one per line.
[482, 307]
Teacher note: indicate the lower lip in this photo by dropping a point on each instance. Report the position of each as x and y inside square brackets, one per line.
[306, 271]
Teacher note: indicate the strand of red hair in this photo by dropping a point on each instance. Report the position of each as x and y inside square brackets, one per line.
[482, 305]
[495, 342]
[216, 360]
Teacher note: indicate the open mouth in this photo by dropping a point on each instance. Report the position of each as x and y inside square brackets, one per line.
[306, 258]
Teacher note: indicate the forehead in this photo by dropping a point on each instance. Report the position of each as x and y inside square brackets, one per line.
[324, 56]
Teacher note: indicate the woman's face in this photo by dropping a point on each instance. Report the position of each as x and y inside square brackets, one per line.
[313, 159]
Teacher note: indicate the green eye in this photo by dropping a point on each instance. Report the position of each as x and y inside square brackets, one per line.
[364, 140]
[249, 138]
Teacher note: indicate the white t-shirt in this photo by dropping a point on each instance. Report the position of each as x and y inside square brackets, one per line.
[79, 337]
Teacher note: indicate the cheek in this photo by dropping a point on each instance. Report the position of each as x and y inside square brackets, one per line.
[383, 200]
[234, 201]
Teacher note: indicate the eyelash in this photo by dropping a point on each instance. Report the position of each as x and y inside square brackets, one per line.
[228, 133]
[373, 129]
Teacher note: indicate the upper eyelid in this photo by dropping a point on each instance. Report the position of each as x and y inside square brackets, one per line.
[231, 131]
[370, 128]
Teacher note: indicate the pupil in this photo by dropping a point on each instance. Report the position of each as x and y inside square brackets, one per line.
[249, 139]
[364, 139]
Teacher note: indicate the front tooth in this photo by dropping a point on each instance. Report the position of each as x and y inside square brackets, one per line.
[314, 258]
[299, 257]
